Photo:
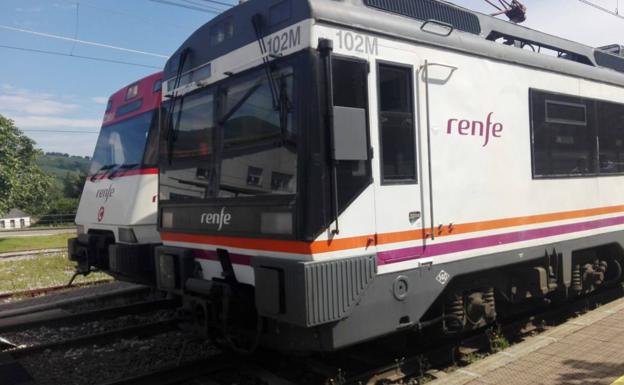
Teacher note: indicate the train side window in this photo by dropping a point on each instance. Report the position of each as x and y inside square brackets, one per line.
[610, 137]
[396, 124]
[350, 89]
[563, 135]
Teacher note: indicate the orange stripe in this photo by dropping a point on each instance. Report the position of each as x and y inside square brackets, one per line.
[316, 247]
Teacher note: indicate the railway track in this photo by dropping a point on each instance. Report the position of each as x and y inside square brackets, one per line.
[399, 360]
[47, 290]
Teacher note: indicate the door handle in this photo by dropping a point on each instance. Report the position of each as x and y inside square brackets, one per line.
[414, 216]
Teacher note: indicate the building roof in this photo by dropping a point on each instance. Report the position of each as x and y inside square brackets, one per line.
[14, 213]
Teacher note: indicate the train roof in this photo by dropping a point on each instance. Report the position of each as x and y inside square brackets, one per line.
[134, 99]
[473, 33]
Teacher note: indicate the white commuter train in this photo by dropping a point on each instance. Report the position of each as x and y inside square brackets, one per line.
[357, 168]
[116, 216]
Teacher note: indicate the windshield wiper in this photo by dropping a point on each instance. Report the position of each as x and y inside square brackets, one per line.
[239, 104]
[285, 107]
[172, 137]
[103, 168]
[126, 166]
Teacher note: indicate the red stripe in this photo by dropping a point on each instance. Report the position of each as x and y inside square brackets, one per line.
[238, 259]
[141, 171]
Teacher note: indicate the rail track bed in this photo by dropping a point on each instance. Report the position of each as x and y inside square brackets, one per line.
[139, 343]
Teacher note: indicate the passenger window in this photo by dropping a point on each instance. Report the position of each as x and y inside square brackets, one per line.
[351, 90]
[564, 135]
[396, 124]
[611, 137]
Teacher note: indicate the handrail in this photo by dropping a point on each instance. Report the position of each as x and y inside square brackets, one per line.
[425, 69]
[429, 167]
[450, 27]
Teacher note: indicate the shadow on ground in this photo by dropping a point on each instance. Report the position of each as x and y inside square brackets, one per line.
[591, 373]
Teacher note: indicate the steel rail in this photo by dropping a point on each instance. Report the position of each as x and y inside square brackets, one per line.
[133, 290]
[140, 331]
[181, 373]
[63, 317]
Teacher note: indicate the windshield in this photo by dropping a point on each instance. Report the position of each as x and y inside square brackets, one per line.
[249, 148]
[122, 143]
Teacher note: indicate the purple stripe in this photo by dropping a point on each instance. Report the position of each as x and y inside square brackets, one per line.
[399, 255]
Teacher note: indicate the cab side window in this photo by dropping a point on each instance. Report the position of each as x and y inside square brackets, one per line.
[350, 88]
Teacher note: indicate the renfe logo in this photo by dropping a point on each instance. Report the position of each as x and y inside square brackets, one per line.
[105, 193]
[476, 128]
[220, 218]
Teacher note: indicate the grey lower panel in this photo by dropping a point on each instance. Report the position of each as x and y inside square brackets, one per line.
[380, 310]
[314, 293]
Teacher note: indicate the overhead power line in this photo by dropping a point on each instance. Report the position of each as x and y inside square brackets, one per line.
[143, 18]
[62, 131]
[191, 7]
[615, 13]
[78, 56]
[79, 41]
[218, 3]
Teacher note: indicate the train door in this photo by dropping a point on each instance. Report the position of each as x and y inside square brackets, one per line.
[399, 208]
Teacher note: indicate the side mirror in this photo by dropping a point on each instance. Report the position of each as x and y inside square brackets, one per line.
[349, 134]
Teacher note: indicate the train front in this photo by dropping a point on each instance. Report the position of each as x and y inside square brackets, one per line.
[116, 216]
[247, 184]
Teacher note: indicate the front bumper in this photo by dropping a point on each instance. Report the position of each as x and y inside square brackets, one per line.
[128, 262]
[90, 250]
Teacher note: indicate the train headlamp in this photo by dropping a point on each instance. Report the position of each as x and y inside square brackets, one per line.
[276, 223]
[127, 235]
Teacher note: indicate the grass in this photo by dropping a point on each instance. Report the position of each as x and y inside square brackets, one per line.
[498, 342]
[39, 272]
[34, 243]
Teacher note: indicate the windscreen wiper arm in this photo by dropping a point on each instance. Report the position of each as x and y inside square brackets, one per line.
[171, 137]
[127, 166]
[103, 168]
[238, 104]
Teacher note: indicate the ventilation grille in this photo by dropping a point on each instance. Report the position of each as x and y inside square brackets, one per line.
[608, 60]
[333, 288]
[430, 10]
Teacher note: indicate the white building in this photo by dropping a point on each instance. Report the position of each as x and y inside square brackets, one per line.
[14, 219]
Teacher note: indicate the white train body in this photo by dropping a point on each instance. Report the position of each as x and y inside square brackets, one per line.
[117, 213]
[491, 204]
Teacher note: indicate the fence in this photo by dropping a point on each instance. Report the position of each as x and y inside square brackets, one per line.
[54, 220]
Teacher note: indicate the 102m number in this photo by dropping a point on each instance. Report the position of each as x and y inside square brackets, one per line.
[357, 43]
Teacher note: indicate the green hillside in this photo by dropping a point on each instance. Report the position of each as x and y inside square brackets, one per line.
[69, 173]
[59, 165]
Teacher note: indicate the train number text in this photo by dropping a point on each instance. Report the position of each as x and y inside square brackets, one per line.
[284, 41]
[357, 43]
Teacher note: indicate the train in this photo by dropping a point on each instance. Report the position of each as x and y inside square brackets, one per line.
[116, 216]
[331, 172]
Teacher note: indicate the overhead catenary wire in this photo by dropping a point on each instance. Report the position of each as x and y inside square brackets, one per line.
[218, 3]
[191, 7]
[615, 13]
[93, 58]
[76, 27]
[143, 18]
[80, 41]
[61, 131]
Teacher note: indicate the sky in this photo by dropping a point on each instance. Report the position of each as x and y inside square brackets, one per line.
[43, 92]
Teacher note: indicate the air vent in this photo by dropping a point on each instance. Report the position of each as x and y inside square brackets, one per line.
[608, 60]
[430, 10]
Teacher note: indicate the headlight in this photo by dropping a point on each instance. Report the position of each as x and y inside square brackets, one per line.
[276, 223]
[127, 236]
[167, 219]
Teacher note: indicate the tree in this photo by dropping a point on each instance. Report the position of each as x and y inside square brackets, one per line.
[22, 183]
[73, 183]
